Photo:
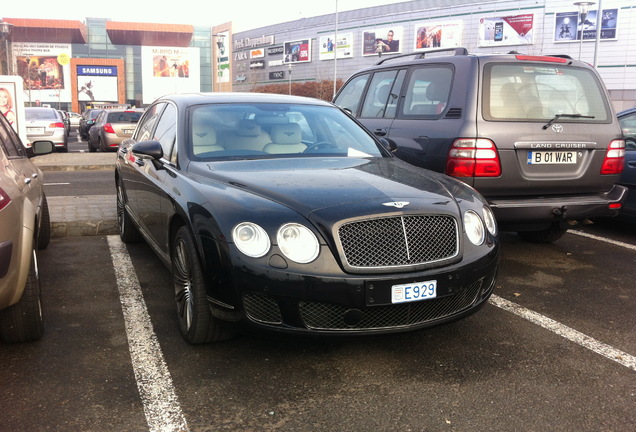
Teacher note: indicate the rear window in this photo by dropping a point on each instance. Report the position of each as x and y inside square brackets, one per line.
[124, 117]
[538, 92]
[41, 114]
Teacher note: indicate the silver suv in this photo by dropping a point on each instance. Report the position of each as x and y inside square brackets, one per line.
[24, 228]
[535, 135]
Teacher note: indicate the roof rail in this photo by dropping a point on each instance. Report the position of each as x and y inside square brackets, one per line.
[421, 55]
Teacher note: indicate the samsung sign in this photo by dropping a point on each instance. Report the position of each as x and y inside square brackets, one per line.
[97, 70]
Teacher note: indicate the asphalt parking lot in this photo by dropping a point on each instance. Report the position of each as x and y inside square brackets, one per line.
[555, 349]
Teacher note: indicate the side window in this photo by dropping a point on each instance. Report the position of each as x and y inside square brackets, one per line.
[8, 140]
[167, 131]
[628, 124]
[382, 95]
[144, 130]
[350, 96]
[428, 91]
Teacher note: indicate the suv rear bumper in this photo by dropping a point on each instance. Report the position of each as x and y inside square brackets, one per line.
[543, 211]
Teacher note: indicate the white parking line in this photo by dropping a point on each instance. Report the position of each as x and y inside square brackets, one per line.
[603, 239]
[161, 407]
[577, 337]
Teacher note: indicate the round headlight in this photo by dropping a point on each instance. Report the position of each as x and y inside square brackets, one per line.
[474, 228]
[489, 220]
[298, 243]
[251, 239]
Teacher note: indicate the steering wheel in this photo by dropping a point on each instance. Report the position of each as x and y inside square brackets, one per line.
[320, 145]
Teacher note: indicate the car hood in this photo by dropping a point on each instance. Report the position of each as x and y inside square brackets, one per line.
[339, 188]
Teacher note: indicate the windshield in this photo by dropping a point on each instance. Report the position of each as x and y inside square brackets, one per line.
[124, 117]
[538, 92]
[40, 114]
[275, 130]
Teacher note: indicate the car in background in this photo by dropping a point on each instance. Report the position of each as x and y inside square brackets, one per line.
[627, 120]
[24, 229]
[46, 124]
[74, 119]
[87, 121]
[111, 127]
[66, 120]
[536, 135]
[282, 213]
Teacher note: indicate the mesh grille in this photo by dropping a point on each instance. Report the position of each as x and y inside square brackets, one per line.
[398, 241]
[325, 316]
[262, 309]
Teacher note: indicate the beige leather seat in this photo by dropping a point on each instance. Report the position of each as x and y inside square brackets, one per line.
[286, 138]
[204, 138]
[247, 135]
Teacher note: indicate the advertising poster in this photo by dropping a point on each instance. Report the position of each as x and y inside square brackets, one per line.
[378, 41]
[297, 51]
[97, 83]
[438, 35]
[569, 27]
[8, 103]
[508, 30]
[45, 69]
[343, 48]
[169, 70]
[223, 58]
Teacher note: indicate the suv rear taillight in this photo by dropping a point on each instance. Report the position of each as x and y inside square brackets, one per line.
[4, 199]
[614, 158]
[56, 125]
[108, 128]
[473, 157]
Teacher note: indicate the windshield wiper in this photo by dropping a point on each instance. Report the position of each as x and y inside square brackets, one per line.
[558, 116]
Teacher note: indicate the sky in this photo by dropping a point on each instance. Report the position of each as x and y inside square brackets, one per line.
[244, 14]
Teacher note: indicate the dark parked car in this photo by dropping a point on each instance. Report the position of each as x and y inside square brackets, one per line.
[535, 135]
[283, 213]
[87, 121]
[24, 228]
[111, 127]
[627, 119]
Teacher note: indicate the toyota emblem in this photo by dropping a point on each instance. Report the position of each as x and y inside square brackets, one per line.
[557, 128]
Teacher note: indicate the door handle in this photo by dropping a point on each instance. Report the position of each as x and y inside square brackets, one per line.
[380, 132]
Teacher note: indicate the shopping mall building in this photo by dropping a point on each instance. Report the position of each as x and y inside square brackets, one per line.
[74, 64]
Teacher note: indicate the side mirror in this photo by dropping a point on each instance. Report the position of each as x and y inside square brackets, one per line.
[41, 148]
[151, 149]
[388, 144]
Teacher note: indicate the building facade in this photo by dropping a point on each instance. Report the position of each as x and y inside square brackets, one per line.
[73, 64]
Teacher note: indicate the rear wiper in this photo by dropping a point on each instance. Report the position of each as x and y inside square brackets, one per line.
[558, 116]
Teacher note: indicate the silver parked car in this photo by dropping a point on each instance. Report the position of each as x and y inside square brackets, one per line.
[46, 124]
[112, 127]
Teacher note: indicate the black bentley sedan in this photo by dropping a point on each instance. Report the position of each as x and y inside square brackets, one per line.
[283, 213]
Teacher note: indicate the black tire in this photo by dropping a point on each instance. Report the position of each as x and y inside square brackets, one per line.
[44, 235]
[548, 235]
[128, 232]
[196, 322]
[22, 322]
[91, 149]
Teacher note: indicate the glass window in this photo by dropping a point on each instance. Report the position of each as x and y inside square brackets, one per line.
[263, 130]
[8, 140]
[144, 130]
[427, 91]
[628, 124]
[167, 130]
[526, 92]
[382, 95]
[350, 96]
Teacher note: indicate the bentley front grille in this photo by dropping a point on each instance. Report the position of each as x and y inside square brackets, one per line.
[399, 241]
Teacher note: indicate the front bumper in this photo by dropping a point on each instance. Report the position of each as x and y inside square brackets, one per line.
[356, 305]
[543, 211]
